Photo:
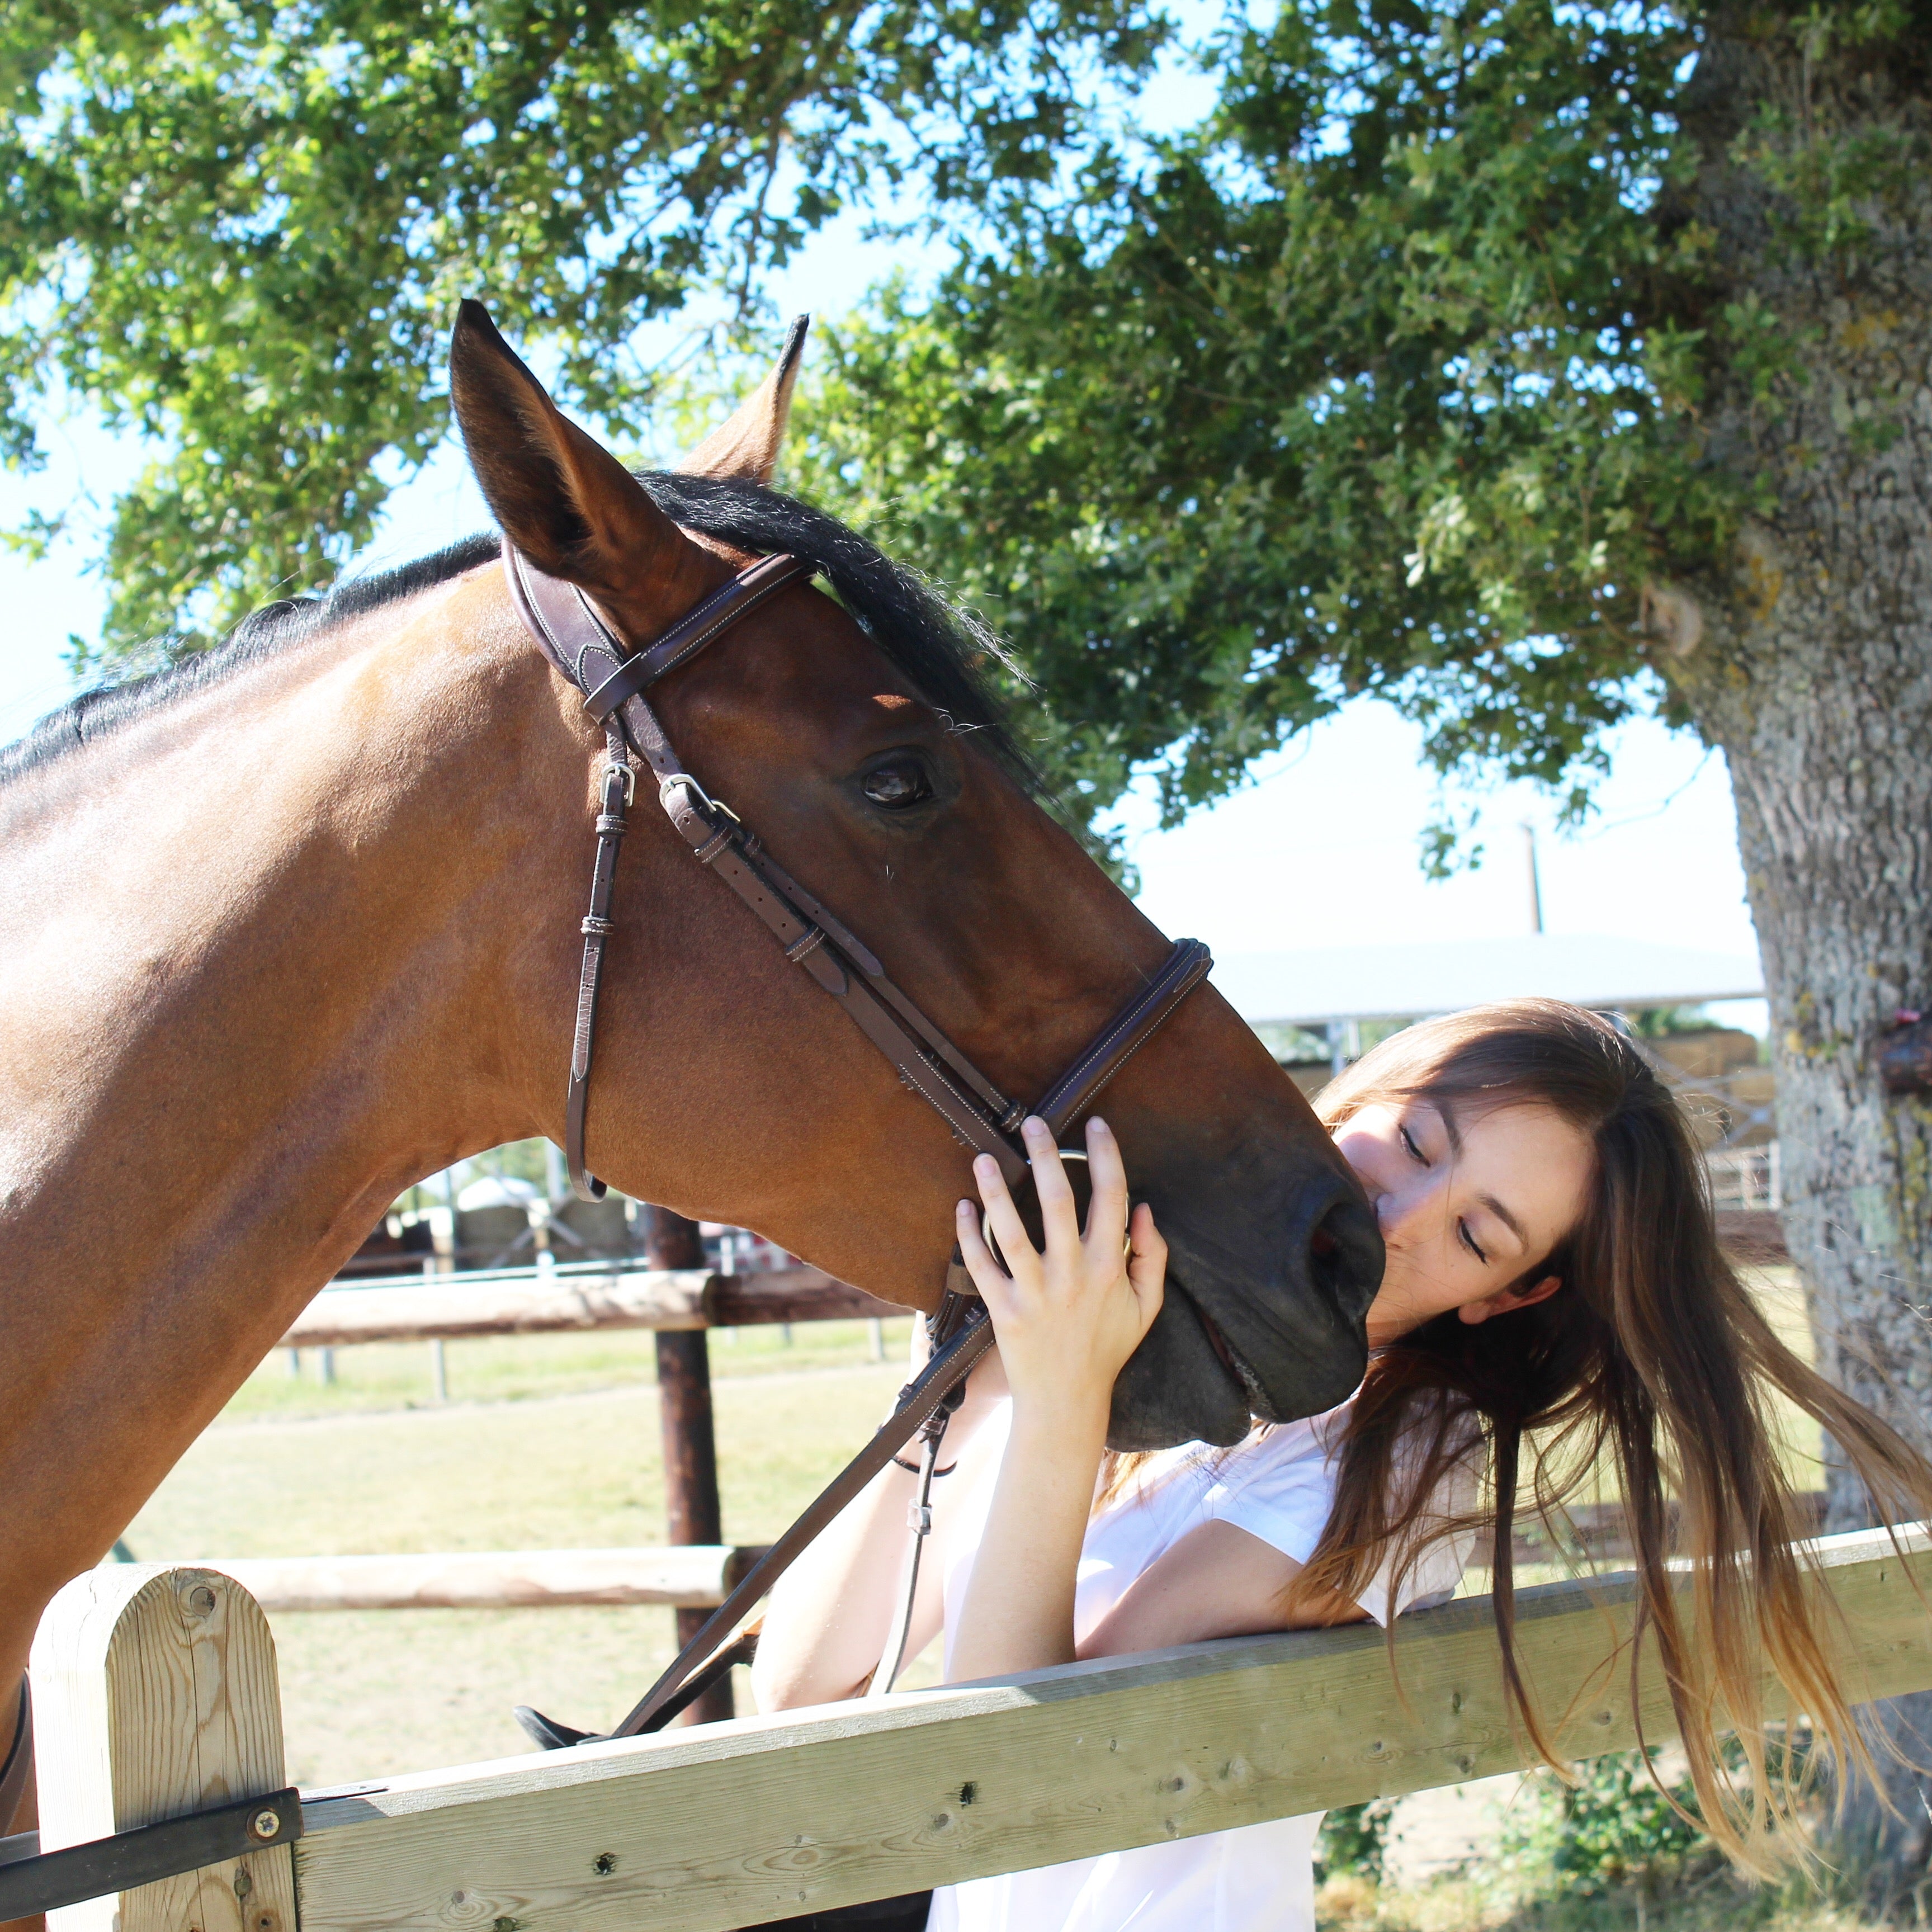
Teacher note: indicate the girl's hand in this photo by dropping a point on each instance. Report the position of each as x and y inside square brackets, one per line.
[1068, 1320]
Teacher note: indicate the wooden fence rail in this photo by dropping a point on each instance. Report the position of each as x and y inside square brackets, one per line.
[684, 1575]
[451, 1308]
[701, 1831]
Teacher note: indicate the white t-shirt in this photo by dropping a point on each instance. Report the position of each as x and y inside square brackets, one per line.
[1279, 1485]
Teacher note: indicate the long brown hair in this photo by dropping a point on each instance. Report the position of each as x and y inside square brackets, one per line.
[1651, 1357]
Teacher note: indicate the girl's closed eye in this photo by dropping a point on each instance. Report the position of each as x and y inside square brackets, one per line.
[1415, 1154]
[1469, 1241]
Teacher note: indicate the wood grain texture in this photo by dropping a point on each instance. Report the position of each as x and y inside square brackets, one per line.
[793, 1295]
[685, 1298]
[155, 1693]
[455, 1309]
[765, 1816]
[698, 1576]
[693, 1513]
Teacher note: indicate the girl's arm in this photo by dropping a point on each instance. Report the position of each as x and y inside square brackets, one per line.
[1066, 1320]
[1218, 1580]
[830, 1613]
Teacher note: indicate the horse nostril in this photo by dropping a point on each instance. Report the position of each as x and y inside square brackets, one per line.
[1344, 1255]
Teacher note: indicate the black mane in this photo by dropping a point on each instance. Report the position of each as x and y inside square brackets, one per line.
[944, 651]
[93, 715]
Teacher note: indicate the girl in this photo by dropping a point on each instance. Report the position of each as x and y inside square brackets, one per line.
[1553, 1272]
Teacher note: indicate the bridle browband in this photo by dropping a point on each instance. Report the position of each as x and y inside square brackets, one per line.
[575, 637]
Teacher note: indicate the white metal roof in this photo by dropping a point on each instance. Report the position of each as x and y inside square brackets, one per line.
[1360, 982]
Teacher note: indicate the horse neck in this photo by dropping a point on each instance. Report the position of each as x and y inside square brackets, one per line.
[290, 983]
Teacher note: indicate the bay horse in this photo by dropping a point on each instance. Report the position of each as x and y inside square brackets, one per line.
[292, 925]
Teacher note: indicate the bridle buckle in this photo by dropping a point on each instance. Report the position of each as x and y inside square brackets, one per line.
[629, 772]
[666, 785]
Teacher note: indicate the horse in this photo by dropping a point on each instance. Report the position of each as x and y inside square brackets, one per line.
[294, 924]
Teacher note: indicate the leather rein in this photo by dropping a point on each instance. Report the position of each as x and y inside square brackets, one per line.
[575, 637]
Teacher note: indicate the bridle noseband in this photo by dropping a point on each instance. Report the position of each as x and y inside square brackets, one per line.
[575, 638]
[578, 641]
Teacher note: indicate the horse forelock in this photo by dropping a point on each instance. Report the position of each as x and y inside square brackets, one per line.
[947, 652]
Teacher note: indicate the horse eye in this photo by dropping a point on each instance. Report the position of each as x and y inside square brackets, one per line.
[898, 785]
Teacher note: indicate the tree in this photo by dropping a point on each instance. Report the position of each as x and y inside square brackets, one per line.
[1524, 365]
[240, 226]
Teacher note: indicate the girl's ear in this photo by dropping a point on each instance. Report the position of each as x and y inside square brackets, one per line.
[1507, 1299]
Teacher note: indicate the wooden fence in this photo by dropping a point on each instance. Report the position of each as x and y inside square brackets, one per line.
[680, 1301]
[672, 1294]
[682, 1577]
[157, 1694]
[694, 1576]
[452, 1307]
[680, 1304]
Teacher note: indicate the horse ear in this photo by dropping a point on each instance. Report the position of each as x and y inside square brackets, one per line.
[558, 495]
[747, 447]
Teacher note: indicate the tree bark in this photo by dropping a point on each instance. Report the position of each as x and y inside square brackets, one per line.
[1806, 655]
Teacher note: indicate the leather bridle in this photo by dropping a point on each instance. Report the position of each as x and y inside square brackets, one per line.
[575, 637]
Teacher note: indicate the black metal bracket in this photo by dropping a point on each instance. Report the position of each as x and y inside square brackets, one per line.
[167, 1849]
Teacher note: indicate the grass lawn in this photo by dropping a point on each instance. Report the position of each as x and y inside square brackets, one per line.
[380, 1375]
[549, 1442]
[1475, 1903]
[312, 1471]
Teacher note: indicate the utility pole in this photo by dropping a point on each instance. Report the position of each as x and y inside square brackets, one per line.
[1535, 879]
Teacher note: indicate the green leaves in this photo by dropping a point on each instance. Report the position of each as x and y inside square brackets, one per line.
[1347, 394]
[1414, 371]
[241, 227]
[1392, 378]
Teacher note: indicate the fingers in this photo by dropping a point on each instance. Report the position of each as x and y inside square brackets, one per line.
[1147, 1261]
[988, 1276]
[1008, 1229]
[1107, 1210]
[1059, 1213]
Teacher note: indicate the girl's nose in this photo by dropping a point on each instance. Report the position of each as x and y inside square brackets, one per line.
[1398, 1206]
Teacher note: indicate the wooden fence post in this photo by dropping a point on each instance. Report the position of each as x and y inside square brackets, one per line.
[690, 1440]
[155, 1693]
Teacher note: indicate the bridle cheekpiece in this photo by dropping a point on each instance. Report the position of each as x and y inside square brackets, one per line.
[578, 641]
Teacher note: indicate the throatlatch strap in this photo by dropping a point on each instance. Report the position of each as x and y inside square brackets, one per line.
[619, 781]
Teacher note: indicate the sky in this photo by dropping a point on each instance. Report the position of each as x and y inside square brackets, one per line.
[1322, 848]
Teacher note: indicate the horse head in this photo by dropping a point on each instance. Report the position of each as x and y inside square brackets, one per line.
[854, 732]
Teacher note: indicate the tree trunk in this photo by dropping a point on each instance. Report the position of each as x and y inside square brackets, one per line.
[1808, 657]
